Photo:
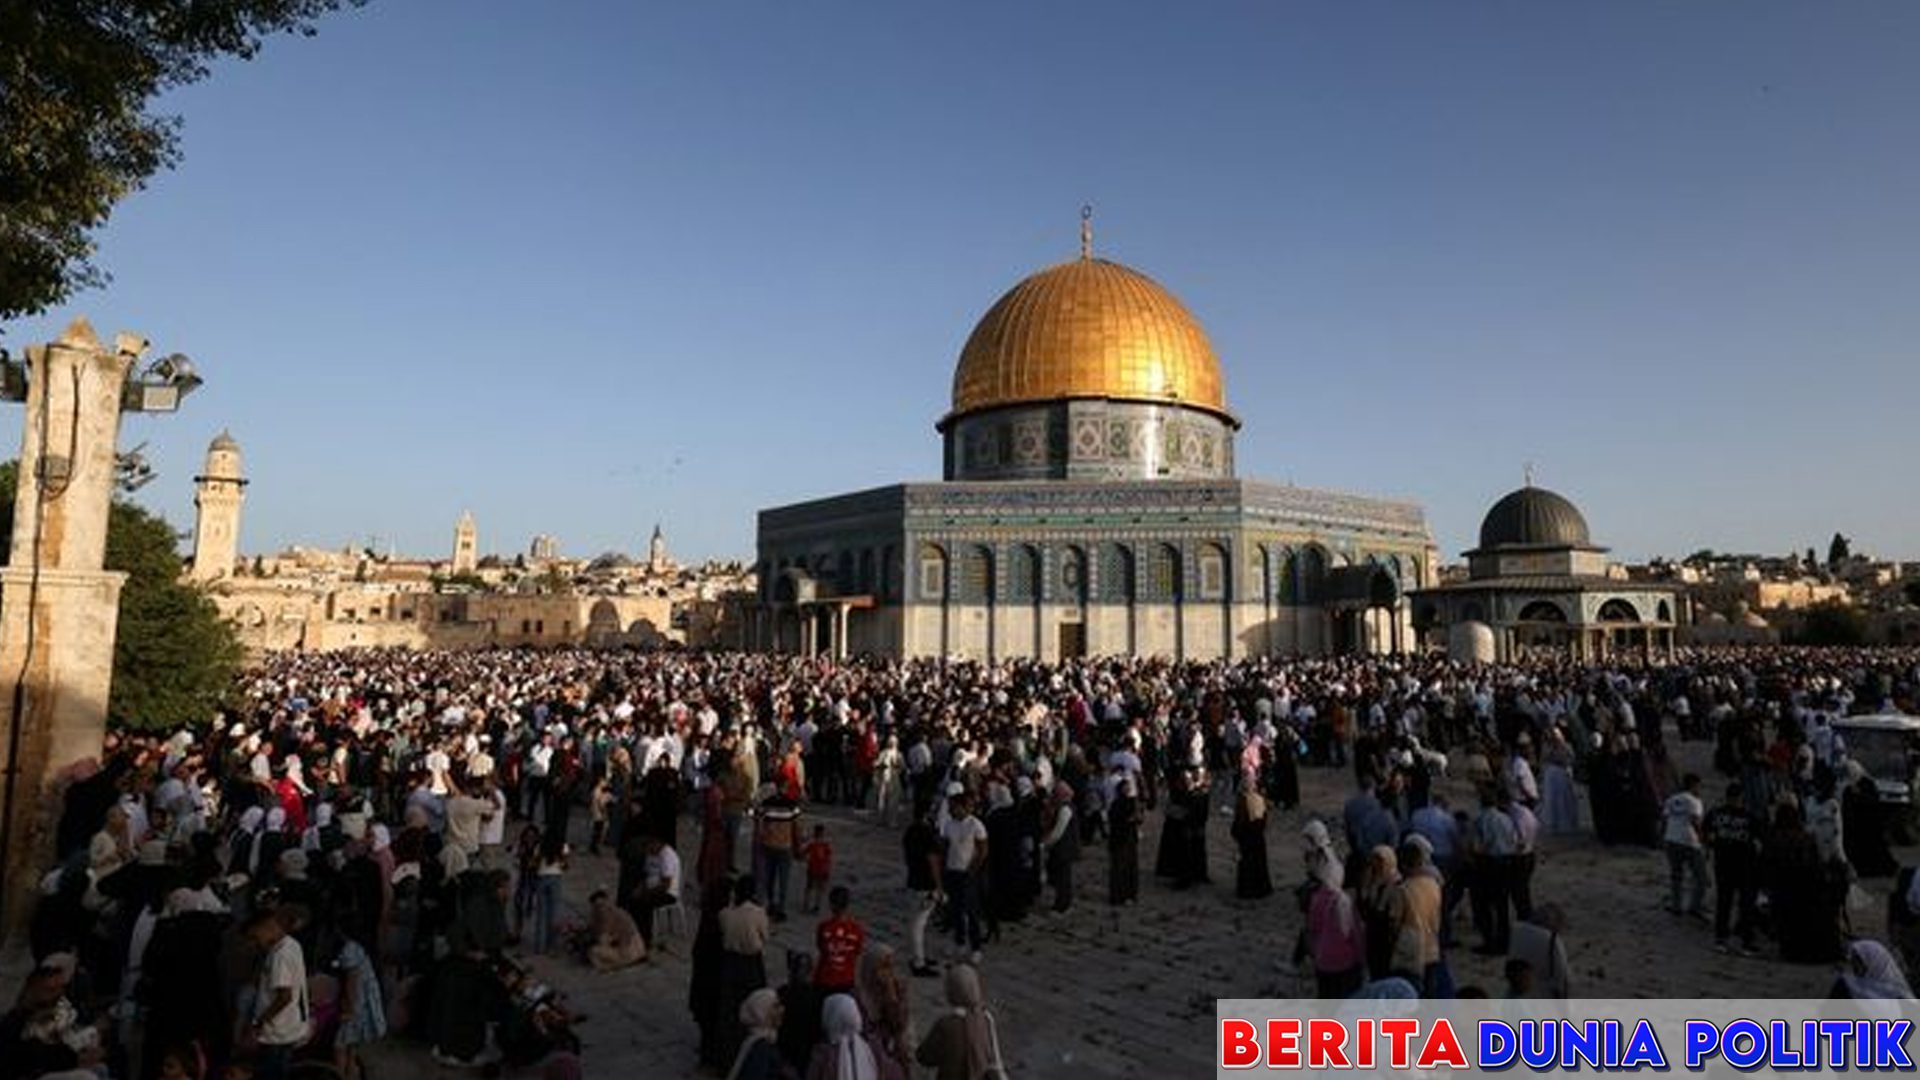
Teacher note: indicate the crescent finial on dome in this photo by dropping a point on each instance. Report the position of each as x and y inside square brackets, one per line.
[1086, 230]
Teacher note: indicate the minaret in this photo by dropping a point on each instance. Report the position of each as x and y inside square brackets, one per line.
[466, 545]
[657, 551]
[217, 494]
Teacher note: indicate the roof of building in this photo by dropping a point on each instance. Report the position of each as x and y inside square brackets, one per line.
[1534, 517]
[1089, 328]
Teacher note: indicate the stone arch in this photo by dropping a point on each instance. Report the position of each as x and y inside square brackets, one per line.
[1118, 579]
[1544, 611]
[932, 582]
[1664, 612]
[1073, 574]
[1619, 609]
[1314, 562]
[975, 574]
[1214, 574]
[1023, 574]
[1164, 574]
[1286, 585]
[603, 618]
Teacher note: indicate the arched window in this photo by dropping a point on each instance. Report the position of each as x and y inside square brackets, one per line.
[1163, 573]
[1116, 574]
[1212, 564]
[1665, 612]
[1287, 579]
[1314, 561]
[1543, 611]
[1023, 574]
[933, 573]
[1258, 585]
[1617, 610]
[1073, 575]
[976, 576]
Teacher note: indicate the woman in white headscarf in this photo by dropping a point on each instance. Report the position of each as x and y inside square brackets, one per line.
[843, 1053]
[1334, 937]
[759, 1056]
[963, 1044]
[243, 847]
[1871, 971]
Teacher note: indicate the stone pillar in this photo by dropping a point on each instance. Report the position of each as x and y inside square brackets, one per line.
[809, 629]
[841, 647]
[57, 626]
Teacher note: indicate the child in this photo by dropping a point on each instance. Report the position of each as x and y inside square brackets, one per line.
[819, 858]
[601, 799]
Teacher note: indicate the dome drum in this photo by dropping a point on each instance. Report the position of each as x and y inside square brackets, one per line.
[1089, 439]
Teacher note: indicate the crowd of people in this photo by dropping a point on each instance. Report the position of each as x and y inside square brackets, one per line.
[375, 843]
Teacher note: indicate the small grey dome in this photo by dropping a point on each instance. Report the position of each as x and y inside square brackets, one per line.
[1534, 517]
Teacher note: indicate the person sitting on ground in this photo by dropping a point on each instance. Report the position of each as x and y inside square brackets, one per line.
[616, 941]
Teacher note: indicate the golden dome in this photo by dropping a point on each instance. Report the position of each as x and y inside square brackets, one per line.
[1087, 329]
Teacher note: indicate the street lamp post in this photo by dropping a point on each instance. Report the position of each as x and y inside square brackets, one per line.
[59, 606]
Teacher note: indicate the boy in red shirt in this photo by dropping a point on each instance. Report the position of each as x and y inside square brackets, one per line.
[840, 940]
[818, 855]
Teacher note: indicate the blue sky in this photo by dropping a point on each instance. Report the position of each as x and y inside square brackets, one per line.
[584, 266]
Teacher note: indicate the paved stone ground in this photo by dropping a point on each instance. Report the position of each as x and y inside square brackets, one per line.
[1101, 992]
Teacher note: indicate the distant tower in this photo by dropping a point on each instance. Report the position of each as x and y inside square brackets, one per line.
[466, 545]
[217, 494]
[544, 549]
[657, 551]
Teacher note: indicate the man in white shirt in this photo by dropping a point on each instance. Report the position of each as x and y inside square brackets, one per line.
[539, 780]
[1684, 813]
[659, 887]
[280, 1011]
[966, 853]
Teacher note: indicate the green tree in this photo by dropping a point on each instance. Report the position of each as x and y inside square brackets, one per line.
[79, 132]
[174, 657]
[1839, 550]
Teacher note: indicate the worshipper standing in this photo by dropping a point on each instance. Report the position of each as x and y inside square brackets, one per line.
[884, 1002]
[549, 871]
[1495, 840]
[1864, 825]
[707, 956]
[1413, 912]
[363, 1015]
[759, 1054]
[282, 1016]
[743, 966]
[1062, 846]
[1379, 878]
[817, 855]
[1559, 801]
[840, 940]
[1123, 845]
[1686, 855]
[1731, 833]
[800, 1006]
[924, 853]
[1334, 937]
[843, 1052]
[1806, 918]
[776, 838]
[1436, 824]
[1871, 972]
[1252, 881]
[966, 854]
[964, 1044]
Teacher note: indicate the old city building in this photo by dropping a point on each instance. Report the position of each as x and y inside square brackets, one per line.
[1089, 505]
